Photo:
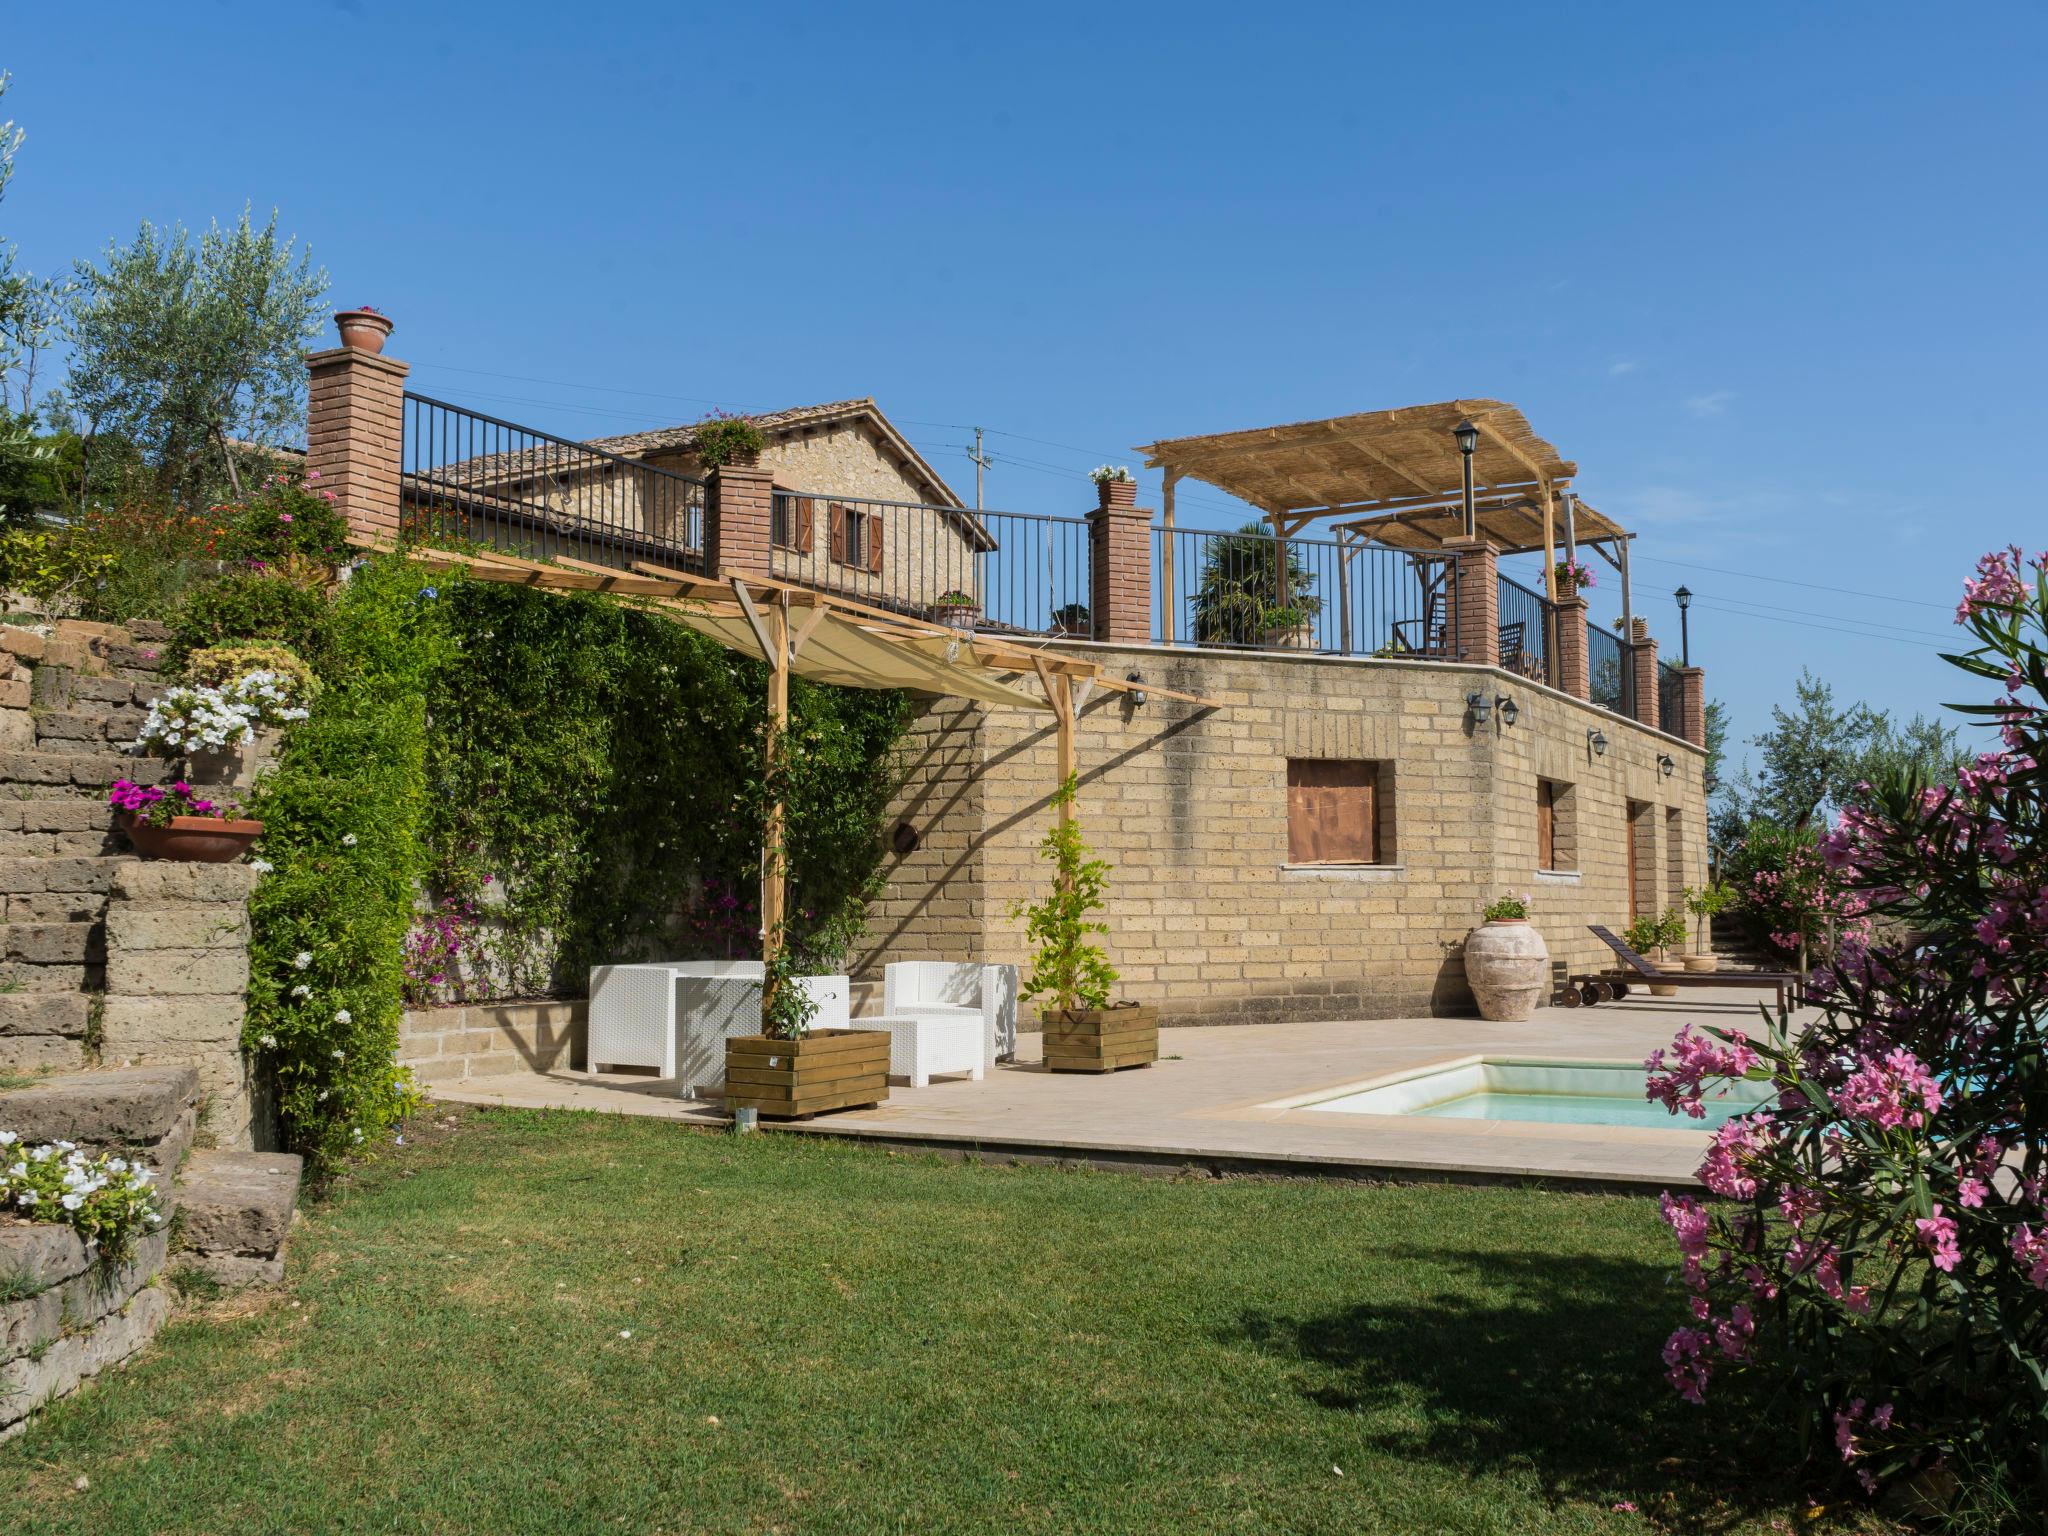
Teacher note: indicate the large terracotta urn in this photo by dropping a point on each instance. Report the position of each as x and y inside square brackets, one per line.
[1508, 967]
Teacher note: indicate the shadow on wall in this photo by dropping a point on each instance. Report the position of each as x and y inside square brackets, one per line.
[1536, 1361]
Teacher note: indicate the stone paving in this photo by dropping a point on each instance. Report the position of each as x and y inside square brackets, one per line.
[1213, 1100]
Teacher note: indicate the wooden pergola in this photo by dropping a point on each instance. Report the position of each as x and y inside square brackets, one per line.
[829, 639]
[1396, 479]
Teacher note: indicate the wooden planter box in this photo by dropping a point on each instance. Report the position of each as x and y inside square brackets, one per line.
[827, 1069]
[1100, 1039]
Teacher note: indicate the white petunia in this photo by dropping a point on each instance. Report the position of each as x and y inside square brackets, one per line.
[348, 840]
[261, 866]
[302, 990]
[343, 1016]
[267, 1041]
[303, 959]
[71, 1202]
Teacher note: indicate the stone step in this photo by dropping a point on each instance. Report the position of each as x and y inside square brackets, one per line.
[53, 943]
[51, 773]
[143, 1112]
[60, 845]
[235, 1211]
[60, 876]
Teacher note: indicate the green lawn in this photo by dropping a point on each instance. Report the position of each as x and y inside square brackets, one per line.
[828, 1338]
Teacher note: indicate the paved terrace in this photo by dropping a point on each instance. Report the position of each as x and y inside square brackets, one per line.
[1212, 1101]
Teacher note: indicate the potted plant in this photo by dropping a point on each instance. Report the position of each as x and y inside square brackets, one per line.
[1114, 485]
[1572, 577]
[723, 440]
[1288, 627]
[1084, 1031]
[363, 328]
[1507, 964]
[956, 610]
[171, 822]
[790, 1069]
[1706, 902]
[1647, 936]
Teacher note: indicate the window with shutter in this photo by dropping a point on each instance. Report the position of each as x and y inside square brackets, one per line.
[789, 524]
[1546, 824]
[836, 518]
[1333, 811]
[874, 542]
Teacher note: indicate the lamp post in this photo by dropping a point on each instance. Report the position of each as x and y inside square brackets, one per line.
[1684, 629]
[1468, 440]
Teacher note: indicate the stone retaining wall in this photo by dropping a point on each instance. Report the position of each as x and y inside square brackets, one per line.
[446, 1045]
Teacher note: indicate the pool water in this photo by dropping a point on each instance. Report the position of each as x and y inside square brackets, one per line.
[1544, 1092]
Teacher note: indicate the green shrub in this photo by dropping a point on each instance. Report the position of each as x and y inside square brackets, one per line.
[721, 439]
[343, 813]
[218, 665]
[255, 606]
[287, 526]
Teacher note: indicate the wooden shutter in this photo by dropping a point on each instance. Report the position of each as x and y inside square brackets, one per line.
[835, 523]
[1332, 812]
[1546, 824]
[874, 533]
[803, 511]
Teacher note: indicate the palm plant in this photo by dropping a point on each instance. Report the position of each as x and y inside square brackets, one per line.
[1237, 597]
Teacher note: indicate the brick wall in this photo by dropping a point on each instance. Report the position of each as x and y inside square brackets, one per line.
[1120, 572]
[448, 1045]
[355, 432]
[737, 508]
[1208, 919]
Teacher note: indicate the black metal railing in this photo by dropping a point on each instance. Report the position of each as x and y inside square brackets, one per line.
[1009, 570]
[471, 478]
[1610, 670]
[1343, 599]
[1670, 699]
[1527, 622]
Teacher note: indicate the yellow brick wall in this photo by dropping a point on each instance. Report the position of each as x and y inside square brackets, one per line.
[1207, 918]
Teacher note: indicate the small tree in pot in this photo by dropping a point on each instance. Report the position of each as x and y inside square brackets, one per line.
[1704, 902]
[789, 1069]
[1084, 1032]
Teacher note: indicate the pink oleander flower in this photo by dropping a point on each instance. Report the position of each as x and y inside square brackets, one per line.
[1694, 1059]
[1736, 1145]
[1970, 1191]
[1686, 1364]
[1897, 1091]
[2031, 1249]
[1937, 1234]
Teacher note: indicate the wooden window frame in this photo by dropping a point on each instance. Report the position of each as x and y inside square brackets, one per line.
[797, 517]
[1336, 812]
[1557, 828]
[856, 538]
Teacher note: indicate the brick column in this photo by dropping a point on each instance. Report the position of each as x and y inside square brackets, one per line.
[1120, 572]
[738, 504]
[1572, 674]
[1692, 683]
[1643, 651]
[355, 434]
[1475, 626]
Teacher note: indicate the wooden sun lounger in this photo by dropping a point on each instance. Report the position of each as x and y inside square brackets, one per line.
[1599, 986]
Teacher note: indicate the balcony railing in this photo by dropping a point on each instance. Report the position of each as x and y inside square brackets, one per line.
[1526, 623]
[1229, 589]
[1670, 699]
[471, 478]
[1610, 671]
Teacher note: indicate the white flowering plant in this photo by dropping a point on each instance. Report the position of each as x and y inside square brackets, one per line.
[277, 697]
[1109, 474]
[185, 719]
[105, 1200]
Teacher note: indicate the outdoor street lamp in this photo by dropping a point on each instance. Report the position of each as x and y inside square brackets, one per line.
[1684, 630]
[1468, 441]
[1666, 764]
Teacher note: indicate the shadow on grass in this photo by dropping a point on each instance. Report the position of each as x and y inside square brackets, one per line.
[1543, 1362]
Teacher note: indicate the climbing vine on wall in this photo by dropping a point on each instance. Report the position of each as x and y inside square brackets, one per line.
[595, 792]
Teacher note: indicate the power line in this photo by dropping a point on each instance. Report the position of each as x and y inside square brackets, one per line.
[1787, 581]
[1860, 634]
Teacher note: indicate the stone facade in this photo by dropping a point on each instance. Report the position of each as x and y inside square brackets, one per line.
[1208, 918]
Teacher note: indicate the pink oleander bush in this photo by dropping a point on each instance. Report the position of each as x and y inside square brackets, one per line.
[1875, 1250]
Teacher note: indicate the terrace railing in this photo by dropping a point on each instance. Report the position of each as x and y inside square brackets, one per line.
[1670, 699]
[1337, 598]
[1610, 670]
[471, 478]
[1527, 625]
[1021, 573]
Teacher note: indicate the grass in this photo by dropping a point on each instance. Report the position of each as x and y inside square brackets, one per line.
[561, 1323]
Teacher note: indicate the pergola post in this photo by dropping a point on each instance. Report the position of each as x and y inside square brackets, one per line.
[1169, 599]
[1282, 588]
[1345, 547]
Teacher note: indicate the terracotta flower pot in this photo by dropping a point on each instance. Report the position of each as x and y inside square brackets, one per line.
[1295, 637]
[193, 839]
[960, 616]
[1704, 965]
[1117, 493]
[1507, 965]
[1661, 957]
[363, 329]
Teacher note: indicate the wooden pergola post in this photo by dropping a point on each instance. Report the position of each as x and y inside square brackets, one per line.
[1283, 593]
[1169, 598]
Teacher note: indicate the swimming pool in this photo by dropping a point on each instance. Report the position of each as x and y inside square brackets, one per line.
[1546, 1092]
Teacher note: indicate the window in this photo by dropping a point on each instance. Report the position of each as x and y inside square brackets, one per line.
[856, 537]
[1674, 857]
[1337, 811]
[1557, 833]
[791, 521]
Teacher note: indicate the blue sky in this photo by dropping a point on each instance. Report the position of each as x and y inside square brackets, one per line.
[1769, 274]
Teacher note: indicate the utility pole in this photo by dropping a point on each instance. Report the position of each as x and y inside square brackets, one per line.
[981, 463]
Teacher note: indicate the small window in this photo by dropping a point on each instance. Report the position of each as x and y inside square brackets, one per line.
[1557, 842]
[1336, 810]
[790, 523]
[856, 537]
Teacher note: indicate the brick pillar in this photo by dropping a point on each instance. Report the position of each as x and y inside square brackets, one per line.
[1692, 683]
[1644, 652]
[737, 506]
[1572, 674]
[355, 435]
[1476, 623]
[1120, 572]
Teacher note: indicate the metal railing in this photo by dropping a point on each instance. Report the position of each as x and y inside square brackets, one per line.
[1010, 570]
[1610, 670]
[1670, 699]
[1527, 621]
[471, 478]
[1343, 599]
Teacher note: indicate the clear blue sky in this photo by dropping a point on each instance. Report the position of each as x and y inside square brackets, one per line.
[1771, 275]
